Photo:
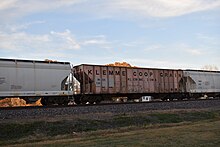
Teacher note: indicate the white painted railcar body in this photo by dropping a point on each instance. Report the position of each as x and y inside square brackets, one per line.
[202, 81]
[27, 78]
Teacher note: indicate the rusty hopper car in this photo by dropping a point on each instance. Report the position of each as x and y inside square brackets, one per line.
[98, 82]
[32, 80]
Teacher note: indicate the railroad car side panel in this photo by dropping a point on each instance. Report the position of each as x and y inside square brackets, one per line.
[151, 81]
[104, 79]
[180, 79]
[171, 81]
[118, 79]
[23, 78]
[49, 77]
[161, 81]
[175, 81]
[141, 80]
[166, 81]
[202, 82]
[130, 85]
[135, 80]
[146, 81]
[216, 82]
[111, 80]
[156, 80]
[123, 80]
[88, 79]
[97, 80]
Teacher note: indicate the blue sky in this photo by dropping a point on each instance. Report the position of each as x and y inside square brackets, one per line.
[147, 33]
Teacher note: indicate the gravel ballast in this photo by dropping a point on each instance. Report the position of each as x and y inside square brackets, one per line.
[38, 112]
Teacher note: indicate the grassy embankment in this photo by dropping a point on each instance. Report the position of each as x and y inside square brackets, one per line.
[195, 128]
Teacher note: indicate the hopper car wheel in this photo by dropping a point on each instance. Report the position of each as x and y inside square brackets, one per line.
[163, 99]
[44, 101]
[77, 100]
[98, 99]
[170, 99]
[91, 100]
[84, 99]
[62, 101]
[94, 99]
[66, 102]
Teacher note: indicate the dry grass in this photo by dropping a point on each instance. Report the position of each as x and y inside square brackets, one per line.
[206, 133]
[154, 129]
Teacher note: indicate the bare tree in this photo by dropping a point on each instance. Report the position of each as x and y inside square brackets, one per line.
[210, 67]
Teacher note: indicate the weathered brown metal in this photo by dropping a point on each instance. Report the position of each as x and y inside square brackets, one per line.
[98, 79]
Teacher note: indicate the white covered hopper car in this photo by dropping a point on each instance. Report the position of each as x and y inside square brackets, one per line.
[32, 80]
[201, 83]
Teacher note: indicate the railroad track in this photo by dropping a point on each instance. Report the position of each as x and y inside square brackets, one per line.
[115, 108]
